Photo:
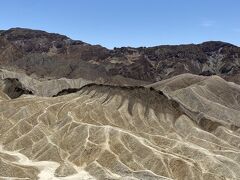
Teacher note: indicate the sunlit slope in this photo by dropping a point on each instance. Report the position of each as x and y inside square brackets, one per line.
[205, 98]
[107, 132]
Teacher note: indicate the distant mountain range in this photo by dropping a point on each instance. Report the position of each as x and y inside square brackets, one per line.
[48, 55]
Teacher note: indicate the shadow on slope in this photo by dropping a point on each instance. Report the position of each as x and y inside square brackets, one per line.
[13, 88]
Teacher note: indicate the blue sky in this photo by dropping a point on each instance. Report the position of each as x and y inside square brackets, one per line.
[116, 23]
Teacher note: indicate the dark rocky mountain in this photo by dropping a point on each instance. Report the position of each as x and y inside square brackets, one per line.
[48, 55]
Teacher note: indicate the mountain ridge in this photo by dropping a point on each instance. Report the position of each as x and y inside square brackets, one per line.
[38, 53]
[26, 30]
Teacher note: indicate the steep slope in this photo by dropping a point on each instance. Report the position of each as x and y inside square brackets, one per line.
[38, 53]
[112, 132]
[208, 100]
[15, 84]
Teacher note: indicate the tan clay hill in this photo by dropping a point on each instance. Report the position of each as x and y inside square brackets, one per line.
[15, 84]
[183, 128]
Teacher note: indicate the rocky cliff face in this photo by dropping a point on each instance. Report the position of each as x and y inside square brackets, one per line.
[38, 53]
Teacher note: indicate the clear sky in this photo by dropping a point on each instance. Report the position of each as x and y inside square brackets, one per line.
[115, 23]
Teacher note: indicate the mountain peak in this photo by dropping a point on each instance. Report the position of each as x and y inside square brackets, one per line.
[24, 34]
